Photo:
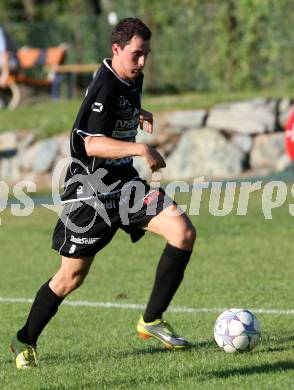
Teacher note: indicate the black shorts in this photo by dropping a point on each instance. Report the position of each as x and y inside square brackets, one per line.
[85, 227]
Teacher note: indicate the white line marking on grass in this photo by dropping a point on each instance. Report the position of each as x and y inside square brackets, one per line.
[134, 306]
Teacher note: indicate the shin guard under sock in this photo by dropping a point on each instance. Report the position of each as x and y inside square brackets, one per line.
[43, 309]
[169, 274]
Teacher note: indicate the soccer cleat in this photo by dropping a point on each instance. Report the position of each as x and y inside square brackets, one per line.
[162, 331]
[25, 355]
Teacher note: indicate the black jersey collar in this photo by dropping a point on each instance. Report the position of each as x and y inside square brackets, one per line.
[105, 62]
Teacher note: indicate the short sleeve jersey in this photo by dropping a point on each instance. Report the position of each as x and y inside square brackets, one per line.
[110, 108]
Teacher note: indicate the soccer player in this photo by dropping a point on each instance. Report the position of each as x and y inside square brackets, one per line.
[103, 193]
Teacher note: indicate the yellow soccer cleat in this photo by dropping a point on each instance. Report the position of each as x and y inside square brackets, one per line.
[25, 355]
[161, 331]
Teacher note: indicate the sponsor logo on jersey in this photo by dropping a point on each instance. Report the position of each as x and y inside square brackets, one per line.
[124, 133]
[98, 107]
[123, 102]
[129, 124]
[83, 240]
[119, 161]
[109, 204]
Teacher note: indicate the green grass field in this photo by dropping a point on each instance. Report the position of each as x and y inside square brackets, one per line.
[239, 261]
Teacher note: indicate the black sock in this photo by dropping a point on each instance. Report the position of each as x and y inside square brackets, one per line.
[43, 309]
[169, 274]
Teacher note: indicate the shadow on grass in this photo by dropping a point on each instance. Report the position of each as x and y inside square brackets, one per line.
[131, 380]
[280, 348]
[276, 343]
[95, 355]
[92, 356]
[134, 380]
[150, 350]
[77, 358]
[286, 338]
[267, 368]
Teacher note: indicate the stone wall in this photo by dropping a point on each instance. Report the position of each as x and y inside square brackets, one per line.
[228, 141]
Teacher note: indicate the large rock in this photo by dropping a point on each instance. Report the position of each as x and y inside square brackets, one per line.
[249, 117]
[25, 139]
[26, 157]
[243, 142]
[63, 142]
[203, 153]
[9, 169]
[45, 156]
[283, 163]
[285, 108]
[8, 141]
[267, 151]
[186, 119]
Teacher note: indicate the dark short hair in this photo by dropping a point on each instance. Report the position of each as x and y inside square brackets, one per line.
[127, 28]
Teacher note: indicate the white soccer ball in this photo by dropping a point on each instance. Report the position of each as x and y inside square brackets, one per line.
[237, 330]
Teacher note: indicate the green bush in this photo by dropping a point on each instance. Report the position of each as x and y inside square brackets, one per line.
[196, 46]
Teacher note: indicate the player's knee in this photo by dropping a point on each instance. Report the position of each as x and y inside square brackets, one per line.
[181, 236]
[189, 235]
[185, 237]
[65, 284]
[76, 281]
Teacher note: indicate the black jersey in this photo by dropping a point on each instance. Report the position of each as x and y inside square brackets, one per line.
[111, 108]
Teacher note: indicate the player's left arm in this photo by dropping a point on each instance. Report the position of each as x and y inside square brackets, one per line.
[146, 116]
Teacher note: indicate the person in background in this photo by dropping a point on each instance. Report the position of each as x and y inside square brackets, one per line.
[9, 63]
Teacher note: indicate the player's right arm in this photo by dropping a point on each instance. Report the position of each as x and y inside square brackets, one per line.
[109, 148]
[97, 124]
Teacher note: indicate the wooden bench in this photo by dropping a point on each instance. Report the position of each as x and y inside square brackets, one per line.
[66, 71]
[31, 58]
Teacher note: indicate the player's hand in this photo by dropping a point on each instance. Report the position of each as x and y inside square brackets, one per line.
[153, 158]
[146, 116]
